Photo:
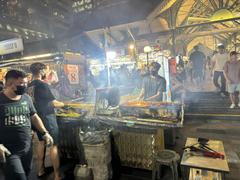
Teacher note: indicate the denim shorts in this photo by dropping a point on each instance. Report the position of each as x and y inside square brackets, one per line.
[50, 123]
[233, 88]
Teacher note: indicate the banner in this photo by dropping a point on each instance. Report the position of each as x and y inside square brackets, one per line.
[72, 72]
[11, 46]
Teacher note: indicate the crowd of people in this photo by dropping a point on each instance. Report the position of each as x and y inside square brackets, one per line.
[26, 107]
[196, 72]
[224, 69]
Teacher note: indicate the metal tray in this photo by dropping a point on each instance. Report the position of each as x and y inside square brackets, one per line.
[146, 110]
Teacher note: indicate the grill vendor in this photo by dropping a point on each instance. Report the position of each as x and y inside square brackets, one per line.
[45, 103]
[153, 86]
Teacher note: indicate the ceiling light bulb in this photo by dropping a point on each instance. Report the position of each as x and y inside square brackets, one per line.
[131, 46]
[147, 49]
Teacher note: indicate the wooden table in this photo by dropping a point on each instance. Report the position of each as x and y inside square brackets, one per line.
[204, 163]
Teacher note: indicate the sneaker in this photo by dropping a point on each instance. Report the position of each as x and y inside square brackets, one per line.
[239, 104]
[222, 94]
[218, 89]
[232, 106]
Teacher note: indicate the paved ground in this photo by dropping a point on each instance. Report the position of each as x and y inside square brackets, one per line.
[227, 131]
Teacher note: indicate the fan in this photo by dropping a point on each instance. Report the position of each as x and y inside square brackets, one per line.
[221, 14]
[219, 10]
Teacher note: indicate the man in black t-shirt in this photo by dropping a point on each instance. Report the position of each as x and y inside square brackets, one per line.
[197, 58]
[45, 102]
[154, 86]
[17, 113]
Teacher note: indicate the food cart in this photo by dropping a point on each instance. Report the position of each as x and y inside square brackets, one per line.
[137, 127]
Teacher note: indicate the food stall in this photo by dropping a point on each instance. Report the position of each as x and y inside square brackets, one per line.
[136, 126]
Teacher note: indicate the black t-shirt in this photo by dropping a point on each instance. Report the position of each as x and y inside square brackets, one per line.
[153, 85]
[197, 58]
[15, 123]
[42, 97]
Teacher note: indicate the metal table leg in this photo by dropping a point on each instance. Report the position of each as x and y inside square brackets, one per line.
[223, 175]
[185, 172]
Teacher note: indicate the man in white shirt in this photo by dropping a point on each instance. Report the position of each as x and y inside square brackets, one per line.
[219, 60]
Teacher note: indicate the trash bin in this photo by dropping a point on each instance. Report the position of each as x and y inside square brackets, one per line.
[97, 152]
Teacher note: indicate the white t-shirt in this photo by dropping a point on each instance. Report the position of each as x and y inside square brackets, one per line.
[220, 60]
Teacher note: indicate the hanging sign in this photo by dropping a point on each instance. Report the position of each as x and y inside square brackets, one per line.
[69, 56]
[3, 71]
[72, 72]
[11, 46]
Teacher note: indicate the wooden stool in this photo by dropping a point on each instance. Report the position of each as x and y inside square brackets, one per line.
[167, 158]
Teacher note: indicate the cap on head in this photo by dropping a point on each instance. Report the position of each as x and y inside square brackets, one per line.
[221, 46]
[36, 68]
[156, 65]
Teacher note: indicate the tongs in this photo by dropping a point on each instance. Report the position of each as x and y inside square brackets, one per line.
[204, 149]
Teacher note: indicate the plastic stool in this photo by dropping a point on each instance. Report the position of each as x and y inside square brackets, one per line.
[167, 158]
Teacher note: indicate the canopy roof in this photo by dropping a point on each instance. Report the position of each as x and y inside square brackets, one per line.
[84, 24]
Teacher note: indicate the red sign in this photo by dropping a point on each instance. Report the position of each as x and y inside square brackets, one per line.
[72, 72]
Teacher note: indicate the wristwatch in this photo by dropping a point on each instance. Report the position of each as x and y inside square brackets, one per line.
[44, 133]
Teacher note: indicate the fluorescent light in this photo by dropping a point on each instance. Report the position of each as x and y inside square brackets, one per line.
[111, 54]
[131, 46]
[37, 56]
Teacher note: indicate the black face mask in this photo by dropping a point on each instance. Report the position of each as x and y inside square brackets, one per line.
[21, 90]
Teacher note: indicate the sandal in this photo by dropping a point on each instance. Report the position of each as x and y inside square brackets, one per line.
[46, 171]
[40, 175]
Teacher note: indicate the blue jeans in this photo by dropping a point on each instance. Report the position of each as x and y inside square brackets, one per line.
[18, 167]
[216, 76]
